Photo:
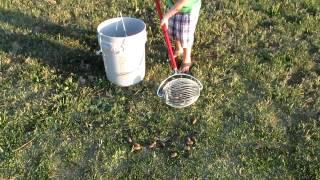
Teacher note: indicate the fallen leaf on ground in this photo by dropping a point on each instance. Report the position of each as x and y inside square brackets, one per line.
[174, 155]
[53, 2]
[189, 142]
[136, 147]
[153, 145]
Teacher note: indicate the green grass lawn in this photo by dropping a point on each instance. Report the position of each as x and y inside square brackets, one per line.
[258, 115]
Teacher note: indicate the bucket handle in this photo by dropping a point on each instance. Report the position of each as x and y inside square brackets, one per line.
[99, 52]
[109, 47]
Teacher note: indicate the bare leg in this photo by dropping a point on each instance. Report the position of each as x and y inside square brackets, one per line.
[186, 63]
[179, 49]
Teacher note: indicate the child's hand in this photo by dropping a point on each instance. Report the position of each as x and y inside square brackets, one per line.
[173, 10]
[164, 21]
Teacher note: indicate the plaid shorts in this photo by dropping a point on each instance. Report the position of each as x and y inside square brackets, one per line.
[182, 27]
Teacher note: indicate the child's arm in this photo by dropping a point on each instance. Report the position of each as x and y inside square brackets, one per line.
[173, 10]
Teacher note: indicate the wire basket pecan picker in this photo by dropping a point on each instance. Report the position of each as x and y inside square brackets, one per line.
[180, 89]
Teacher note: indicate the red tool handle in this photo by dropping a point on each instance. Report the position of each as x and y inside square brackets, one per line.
[166, 36]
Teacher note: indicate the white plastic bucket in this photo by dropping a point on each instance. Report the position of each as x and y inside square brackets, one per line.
[122, 42]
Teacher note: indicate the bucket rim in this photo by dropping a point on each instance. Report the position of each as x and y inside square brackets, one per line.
[100, 26]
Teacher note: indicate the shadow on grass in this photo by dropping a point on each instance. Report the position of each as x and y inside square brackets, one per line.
[43, 42]
[37, 45]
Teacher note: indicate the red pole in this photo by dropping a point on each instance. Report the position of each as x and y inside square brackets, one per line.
[167, 39]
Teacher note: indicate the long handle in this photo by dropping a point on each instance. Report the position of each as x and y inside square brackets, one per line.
[167, 39]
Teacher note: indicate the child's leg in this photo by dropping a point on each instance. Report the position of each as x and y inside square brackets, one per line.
[188, 25]
[186, 63]
[178, 50]
[173, 31]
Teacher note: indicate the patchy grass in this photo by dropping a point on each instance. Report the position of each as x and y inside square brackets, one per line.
[257, 117]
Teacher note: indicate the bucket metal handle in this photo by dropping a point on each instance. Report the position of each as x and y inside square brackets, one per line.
[109, 46]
